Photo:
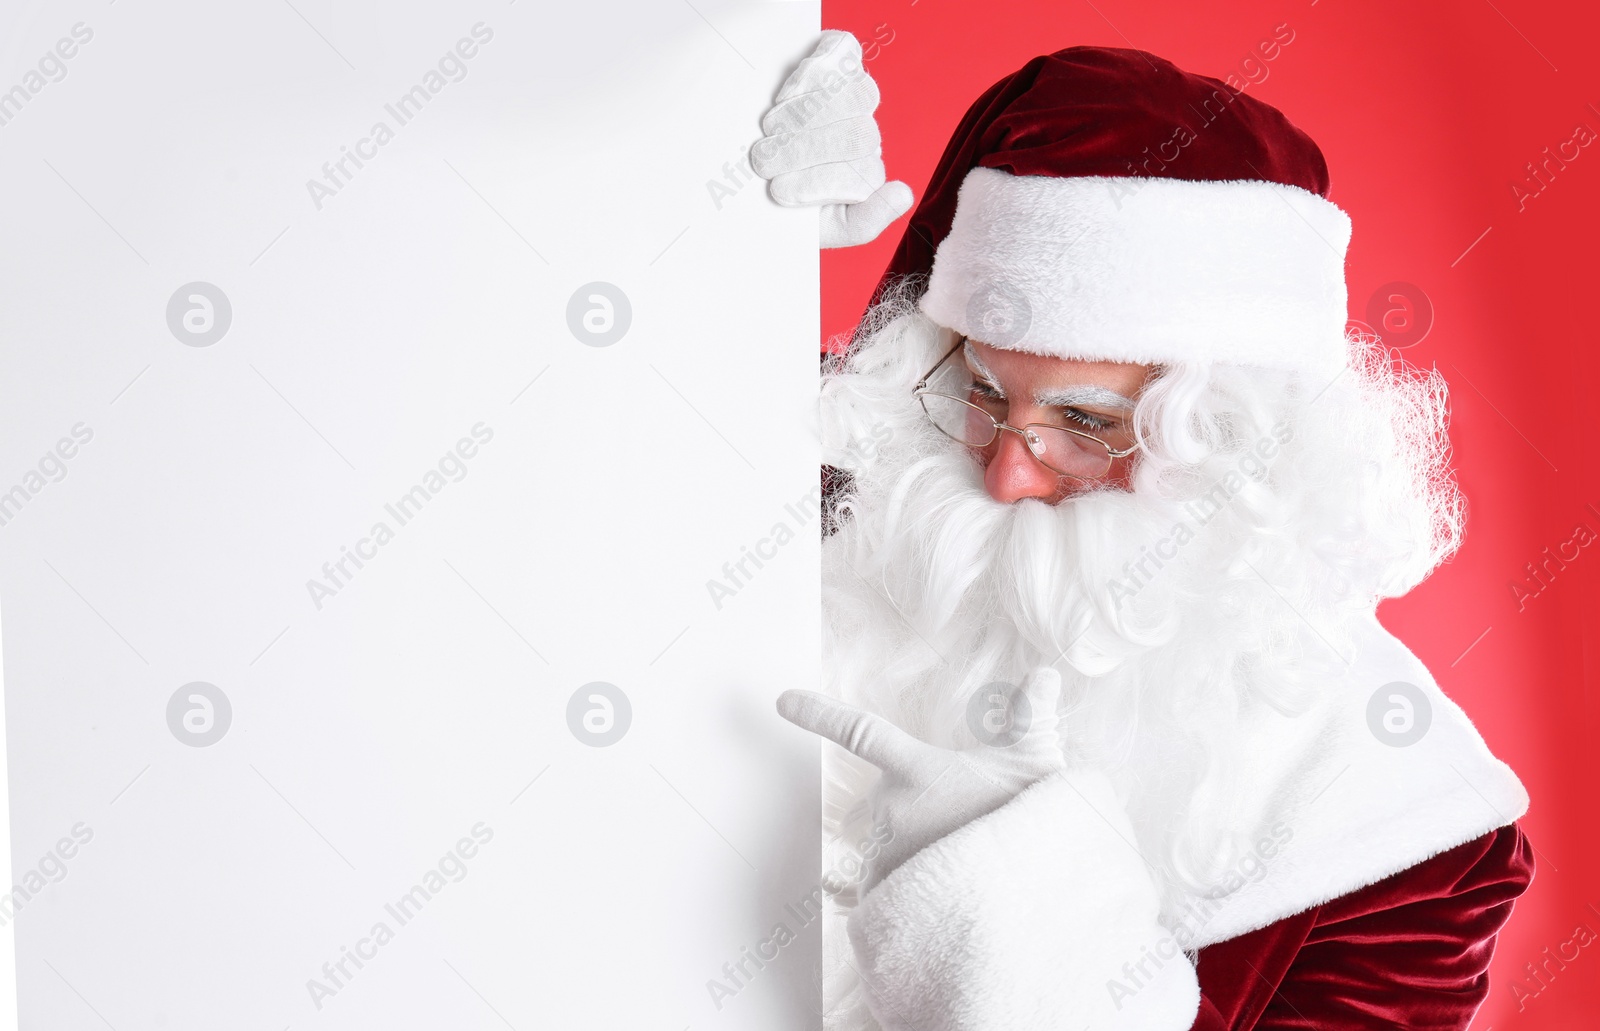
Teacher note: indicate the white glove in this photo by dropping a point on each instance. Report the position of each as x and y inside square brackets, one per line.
[926, 791]
[822, 146]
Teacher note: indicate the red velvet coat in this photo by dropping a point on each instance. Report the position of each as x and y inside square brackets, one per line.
[1411, 951]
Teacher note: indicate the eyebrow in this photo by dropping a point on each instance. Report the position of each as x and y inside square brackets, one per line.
[1058, 397]
[1082, 394]
[977, 363]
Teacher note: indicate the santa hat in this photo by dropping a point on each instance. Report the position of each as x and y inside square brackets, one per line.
[1101, 203]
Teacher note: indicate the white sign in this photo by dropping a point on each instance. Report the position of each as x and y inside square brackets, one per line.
[408, 515]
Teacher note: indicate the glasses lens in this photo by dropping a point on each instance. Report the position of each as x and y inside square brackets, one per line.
[957, 420]
[1068, 453]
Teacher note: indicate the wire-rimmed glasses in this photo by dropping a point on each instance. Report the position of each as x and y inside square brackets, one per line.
[1061, 449]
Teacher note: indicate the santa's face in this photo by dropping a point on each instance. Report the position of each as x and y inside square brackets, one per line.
[1019, 388]
[960, 566]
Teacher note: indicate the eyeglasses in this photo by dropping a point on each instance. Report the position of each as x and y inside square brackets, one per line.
[1067, 452]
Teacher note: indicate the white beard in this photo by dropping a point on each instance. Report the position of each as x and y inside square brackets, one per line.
[933, 592]
[1155, 608]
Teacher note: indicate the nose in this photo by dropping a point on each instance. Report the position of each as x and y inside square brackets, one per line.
[1012, 473]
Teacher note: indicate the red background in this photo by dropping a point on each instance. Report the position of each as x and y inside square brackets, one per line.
[1427, 113]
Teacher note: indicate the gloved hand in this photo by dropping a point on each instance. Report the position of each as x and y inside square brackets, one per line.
[822, 146]
[927, 791]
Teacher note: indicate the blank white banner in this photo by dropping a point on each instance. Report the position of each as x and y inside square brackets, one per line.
[408, 515]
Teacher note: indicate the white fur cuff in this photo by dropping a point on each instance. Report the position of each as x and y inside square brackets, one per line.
[1145, 270]
[1037, 917]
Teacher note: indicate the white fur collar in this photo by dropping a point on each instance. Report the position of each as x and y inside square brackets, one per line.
[1346, 808]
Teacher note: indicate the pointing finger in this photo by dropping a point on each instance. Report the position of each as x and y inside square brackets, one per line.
[865, 734]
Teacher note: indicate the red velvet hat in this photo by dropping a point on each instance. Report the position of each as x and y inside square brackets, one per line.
[1102, 203]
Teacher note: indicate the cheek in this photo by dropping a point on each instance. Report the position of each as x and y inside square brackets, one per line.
[1121, 474]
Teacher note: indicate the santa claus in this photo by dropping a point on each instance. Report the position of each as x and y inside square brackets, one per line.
[1122, 743]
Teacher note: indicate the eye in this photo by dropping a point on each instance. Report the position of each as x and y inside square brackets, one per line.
[1088, 419]
[988, 397]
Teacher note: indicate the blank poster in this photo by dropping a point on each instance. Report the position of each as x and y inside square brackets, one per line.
[408, 515]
